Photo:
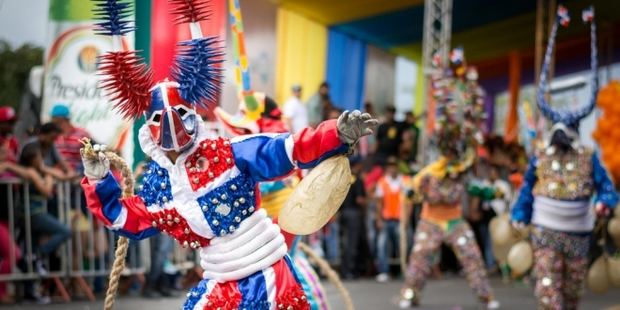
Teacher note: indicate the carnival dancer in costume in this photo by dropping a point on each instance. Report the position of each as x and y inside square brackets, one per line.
[199, 188]
[556, 197]
[442, 183]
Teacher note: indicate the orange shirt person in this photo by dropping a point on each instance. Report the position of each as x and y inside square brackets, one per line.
[390, 194]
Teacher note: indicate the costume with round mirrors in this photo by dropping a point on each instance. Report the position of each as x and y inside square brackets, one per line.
[556, 197]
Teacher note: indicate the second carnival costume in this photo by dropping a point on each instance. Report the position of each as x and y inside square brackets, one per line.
[199, 188]
[556, 197]
[441, 184]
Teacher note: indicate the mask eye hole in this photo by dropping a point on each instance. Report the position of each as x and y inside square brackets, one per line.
[156, 118]
[182, 111]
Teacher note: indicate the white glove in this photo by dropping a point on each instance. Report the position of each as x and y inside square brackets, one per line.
[354, 125]
[96, 168]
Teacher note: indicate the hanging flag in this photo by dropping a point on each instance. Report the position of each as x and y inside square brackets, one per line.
[587, 15]
[563, 16]
[457, 55]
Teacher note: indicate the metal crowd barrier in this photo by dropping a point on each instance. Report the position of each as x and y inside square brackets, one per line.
[87, 254]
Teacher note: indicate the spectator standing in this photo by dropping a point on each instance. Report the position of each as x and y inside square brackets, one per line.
[316, 105]
[352, 220]
[481, 192]
[391, 194]
[295, 112]
[389, 136]
[368, 143]
[8, 169]
[43, 223]
[68, 142]
[412, 135]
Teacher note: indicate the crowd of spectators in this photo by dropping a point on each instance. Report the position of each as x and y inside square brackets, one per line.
[30, 171]
[364, 238]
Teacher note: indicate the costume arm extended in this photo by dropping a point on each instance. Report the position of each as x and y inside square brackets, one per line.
[127, 216]
[267, 157]
[522, 210]
[605, 191]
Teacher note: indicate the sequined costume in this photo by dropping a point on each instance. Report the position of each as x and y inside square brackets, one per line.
[441, 184]
[207, 200]
[441, 221]
[556, 196]
[199, 188]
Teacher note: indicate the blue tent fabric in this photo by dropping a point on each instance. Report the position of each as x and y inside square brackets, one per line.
[346, 68]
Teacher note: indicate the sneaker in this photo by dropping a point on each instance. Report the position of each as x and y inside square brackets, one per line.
[37, 299]
[492, 305]
[382, 277]
[40, 268]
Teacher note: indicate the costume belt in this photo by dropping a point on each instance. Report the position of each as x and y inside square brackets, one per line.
[563, 215]
[255, 245]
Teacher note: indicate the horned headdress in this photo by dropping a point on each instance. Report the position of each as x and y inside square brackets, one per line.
[569, 118]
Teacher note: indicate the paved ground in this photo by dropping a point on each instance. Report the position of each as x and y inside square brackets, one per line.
[450, 293]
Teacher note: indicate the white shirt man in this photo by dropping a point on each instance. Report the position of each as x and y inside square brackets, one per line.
[295, 111]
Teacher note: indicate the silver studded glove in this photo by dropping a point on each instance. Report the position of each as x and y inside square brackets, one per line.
[354, 125]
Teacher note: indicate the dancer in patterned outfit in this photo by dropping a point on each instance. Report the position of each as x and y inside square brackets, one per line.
[441, 185]
[556, 196]
[201, 189]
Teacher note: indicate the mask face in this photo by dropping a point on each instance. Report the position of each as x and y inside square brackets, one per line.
[561, 140]
[563, 137]
[171, 120]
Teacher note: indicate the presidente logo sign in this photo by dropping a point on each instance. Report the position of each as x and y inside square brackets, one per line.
[71, 78]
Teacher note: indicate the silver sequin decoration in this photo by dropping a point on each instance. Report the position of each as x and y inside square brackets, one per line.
[223, 209]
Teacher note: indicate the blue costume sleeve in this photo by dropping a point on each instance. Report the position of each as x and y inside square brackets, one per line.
[263, 156]
[522, 209]
[605, 191]
[268, 157]
[126, 216]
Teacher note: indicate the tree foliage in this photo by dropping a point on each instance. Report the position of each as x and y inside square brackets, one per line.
[15, 65]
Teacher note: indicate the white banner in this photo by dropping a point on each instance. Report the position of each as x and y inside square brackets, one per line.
[71, 79]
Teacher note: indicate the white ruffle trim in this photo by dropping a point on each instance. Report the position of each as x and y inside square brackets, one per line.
[256, 245]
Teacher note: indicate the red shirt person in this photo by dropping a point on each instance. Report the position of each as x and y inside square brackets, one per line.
[8, 143]
[68, 143]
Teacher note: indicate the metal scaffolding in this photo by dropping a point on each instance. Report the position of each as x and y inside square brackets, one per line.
[437, 30]
[435, 41]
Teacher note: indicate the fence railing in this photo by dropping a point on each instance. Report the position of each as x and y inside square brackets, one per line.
[87, 254]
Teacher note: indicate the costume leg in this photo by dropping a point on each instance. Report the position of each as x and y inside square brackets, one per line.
[427, 240]
[463, 242]
[548, 267]
[576, 249]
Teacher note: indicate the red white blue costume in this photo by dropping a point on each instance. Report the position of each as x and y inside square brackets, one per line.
[199, 188]
[208, 200]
